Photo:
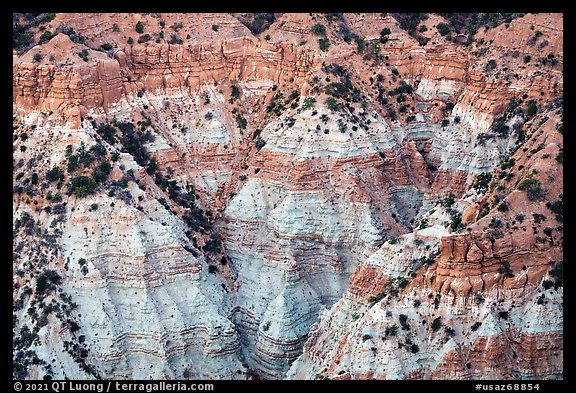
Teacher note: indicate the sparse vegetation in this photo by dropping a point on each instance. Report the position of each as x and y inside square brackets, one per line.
[324, 44]
[482, 182]
[82, 186]
[139, 27]
[557, 208]
[259, 23]
[533, 188]
[83, 54]
[319, 29]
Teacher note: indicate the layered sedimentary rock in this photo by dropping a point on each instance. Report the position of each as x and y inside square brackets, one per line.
[489, 295]
[151, 309]
[172, 69]
[337, 220]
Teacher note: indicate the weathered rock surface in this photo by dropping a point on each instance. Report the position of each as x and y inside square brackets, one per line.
[316, 238]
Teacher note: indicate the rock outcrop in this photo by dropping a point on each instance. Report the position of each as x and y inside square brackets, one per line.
[213, 203]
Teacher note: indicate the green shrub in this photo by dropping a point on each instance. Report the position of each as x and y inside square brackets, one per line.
[37, 57]
[436, 324]
[45, 37]
[242, 122]
[557, 207]
[443, 28]
[491, 65]
[319, 29]
[560, 156]
[139, 27]
[533, 188]
[82, 186]
[260, 143]
[404, 321]
[531, 109]
[309, 103]
[423, 223]
[332, 104]
[174, 39]
[324, 44]
[83, 54]
[390, 331]
[235, 91]
[144, 38]
[55, 174]
[215, 27]
[456, 222]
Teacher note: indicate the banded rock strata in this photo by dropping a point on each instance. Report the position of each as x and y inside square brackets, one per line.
[303, 201]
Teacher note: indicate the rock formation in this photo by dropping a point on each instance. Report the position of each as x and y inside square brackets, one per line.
[196, 198]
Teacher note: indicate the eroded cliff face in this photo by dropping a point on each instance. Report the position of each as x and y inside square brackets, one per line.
[232, 203]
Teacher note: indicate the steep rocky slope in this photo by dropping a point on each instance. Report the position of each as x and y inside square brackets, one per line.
[216, 196]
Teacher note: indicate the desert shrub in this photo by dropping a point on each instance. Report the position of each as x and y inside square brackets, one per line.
[235, 91]
[491, 65]
[106, 47]
[404, 321]
[531, 109]
[533, 188]
[443, 28]
[557, 208]
[55, 174]
[107, 132]
[324, 44]
[319, 29]
[482, 182]
[45, 37]
[144, 38]
[83, 54]
[260, 143]
[560, 156]
[82, 186]
[241, 121]
[139, 27]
